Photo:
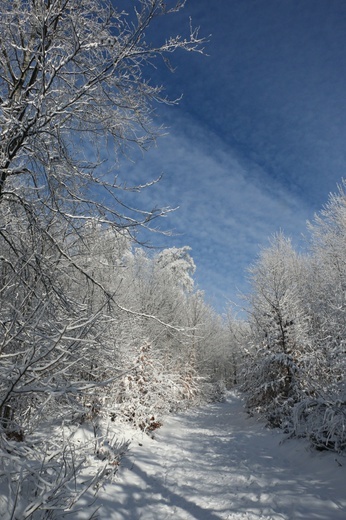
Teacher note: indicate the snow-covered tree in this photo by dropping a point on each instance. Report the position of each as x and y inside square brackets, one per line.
[238, 335]
[295, 355]
[74, 94]
[177, 265]
[328, 284]
[282, 351]
[72, 85]
[322, 416]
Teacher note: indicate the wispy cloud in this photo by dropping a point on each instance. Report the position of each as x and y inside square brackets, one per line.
[259, 137]
[226, 207]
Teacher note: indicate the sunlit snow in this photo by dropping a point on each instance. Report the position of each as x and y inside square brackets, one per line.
[217, 463]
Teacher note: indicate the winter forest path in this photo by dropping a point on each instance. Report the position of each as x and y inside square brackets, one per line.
[216, 463]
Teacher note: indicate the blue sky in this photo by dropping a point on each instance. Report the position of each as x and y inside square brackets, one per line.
[259, 137]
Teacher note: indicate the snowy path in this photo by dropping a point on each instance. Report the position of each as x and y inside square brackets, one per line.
[217, 463]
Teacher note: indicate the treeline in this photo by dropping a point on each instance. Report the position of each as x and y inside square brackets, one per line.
[294, 341]
[103, 323]
[94, 327]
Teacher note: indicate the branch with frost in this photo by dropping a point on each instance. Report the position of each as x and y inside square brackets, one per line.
[75, 72]
[47, 477]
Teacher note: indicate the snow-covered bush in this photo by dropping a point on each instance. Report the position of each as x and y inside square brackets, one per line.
[42, 479]
[272, 387]
[147, 392]
[46, 474]
[322, 421]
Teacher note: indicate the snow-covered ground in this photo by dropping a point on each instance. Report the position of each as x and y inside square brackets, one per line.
[216, 463]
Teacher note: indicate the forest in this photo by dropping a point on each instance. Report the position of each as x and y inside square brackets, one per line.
[94, 324]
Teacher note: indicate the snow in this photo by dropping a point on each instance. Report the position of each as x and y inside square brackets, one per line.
[216, 462]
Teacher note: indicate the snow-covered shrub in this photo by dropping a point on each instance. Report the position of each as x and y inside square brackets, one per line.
[148, 392]
[272, 386]
[45, 476]
[141, 396]
[111, 449]
[322, 421]
[43, 479]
